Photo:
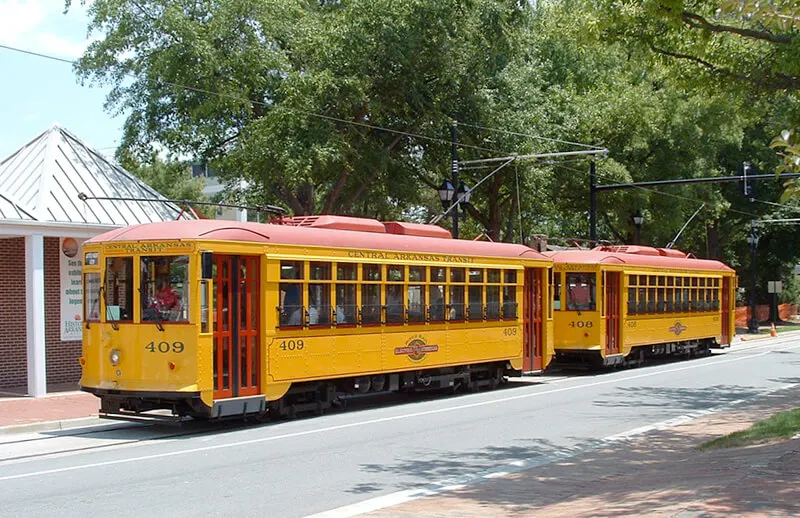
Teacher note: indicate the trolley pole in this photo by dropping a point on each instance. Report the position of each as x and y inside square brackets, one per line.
[454, 171]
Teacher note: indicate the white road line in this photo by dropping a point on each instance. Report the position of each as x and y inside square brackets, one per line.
[374, 421]
[400, 497]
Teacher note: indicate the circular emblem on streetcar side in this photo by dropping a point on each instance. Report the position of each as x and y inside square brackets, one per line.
[678, 328]
[416, 349]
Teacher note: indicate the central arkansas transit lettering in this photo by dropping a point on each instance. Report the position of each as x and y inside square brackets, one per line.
[404, 256]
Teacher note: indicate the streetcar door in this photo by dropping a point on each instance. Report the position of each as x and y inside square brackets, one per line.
[236, 325]
[532, 317]
[726, 311]
[612, 292]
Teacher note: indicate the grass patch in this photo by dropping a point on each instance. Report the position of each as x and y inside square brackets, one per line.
[782, 425]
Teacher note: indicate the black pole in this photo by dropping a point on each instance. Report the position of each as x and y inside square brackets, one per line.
[454, 170]
[753, 324]
[593, 202]
[638, 233]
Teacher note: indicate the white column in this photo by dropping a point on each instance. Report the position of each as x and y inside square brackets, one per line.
[34, 297]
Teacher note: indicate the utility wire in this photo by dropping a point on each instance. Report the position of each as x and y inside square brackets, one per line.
[507, 132]
[662, 193]
[260, 103]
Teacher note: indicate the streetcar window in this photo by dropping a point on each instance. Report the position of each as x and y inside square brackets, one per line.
[395, 273]
[118, 292]
[90, 258]
[456, 305]
[557, 291]
[204, 307]
[291, 304]
[510, 302]
[394, 304]
[651, 300]
[436, 309]
[580, 291]
[164, 285]
[416, 274]
[510, 276]
[641, 301]
[371, 272]
[371, 303]
[438, 275]
[416, 303]
[347, 272]
[319, 294]
[319, 304]
[631, 301]
[319, 271]
[346, 304]
[91, 297]
[457, 275]
[475, 275]
[475, 308]
[292, 270]
[492, 302]
[493, 276]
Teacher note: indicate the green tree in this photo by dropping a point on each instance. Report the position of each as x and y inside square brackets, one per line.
[171, 178]
[291, 94]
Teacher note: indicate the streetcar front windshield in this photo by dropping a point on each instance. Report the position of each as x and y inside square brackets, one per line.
[164, 289]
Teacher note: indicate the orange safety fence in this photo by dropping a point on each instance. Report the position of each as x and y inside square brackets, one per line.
[785, 312]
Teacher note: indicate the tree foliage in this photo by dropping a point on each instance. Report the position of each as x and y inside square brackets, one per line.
[172, 178]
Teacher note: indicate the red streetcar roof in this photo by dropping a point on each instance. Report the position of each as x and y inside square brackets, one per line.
[636, 259]
[307, 236]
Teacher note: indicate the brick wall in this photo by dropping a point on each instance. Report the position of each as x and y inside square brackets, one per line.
[13, 354]
[62, 357]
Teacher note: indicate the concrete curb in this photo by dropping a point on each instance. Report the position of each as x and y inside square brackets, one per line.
[49, 426]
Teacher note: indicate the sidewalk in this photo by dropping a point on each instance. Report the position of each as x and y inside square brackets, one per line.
[55, 411]
[661, 473]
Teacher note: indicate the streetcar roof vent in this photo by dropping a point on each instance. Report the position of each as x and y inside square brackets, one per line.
[333, 222]
[642, 250]
[670, 252]
[416, 229]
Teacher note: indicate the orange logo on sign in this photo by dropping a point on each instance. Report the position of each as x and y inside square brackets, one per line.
[416, 349]
[678, 328]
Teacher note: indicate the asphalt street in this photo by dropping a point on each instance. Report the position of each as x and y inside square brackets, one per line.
[375, 450]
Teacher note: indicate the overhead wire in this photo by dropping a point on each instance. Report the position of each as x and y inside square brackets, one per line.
[656, 191]
[546, 139]
[261, 103]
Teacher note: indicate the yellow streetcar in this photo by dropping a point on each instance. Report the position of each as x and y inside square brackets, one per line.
[214, 318]
[623, 304]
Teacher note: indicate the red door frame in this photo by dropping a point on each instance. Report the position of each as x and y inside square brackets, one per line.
[726, 311]
[532, 318]
[612, 304]
[236, 326]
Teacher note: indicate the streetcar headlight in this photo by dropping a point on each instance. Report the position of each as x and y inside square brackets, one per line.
[114, 357]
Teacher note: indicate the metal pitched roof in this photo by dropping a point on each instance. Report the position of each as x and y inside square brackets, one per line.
[42, 180]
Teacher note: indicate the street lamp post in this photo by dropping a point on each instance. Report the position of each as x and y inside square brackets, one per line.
[638, 219]
[752, 240]
[454, 194]
[454, 199]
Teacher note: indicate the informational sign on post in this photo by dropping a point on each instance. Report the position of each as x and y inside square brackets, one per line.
[774, 286]
[71, 289]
